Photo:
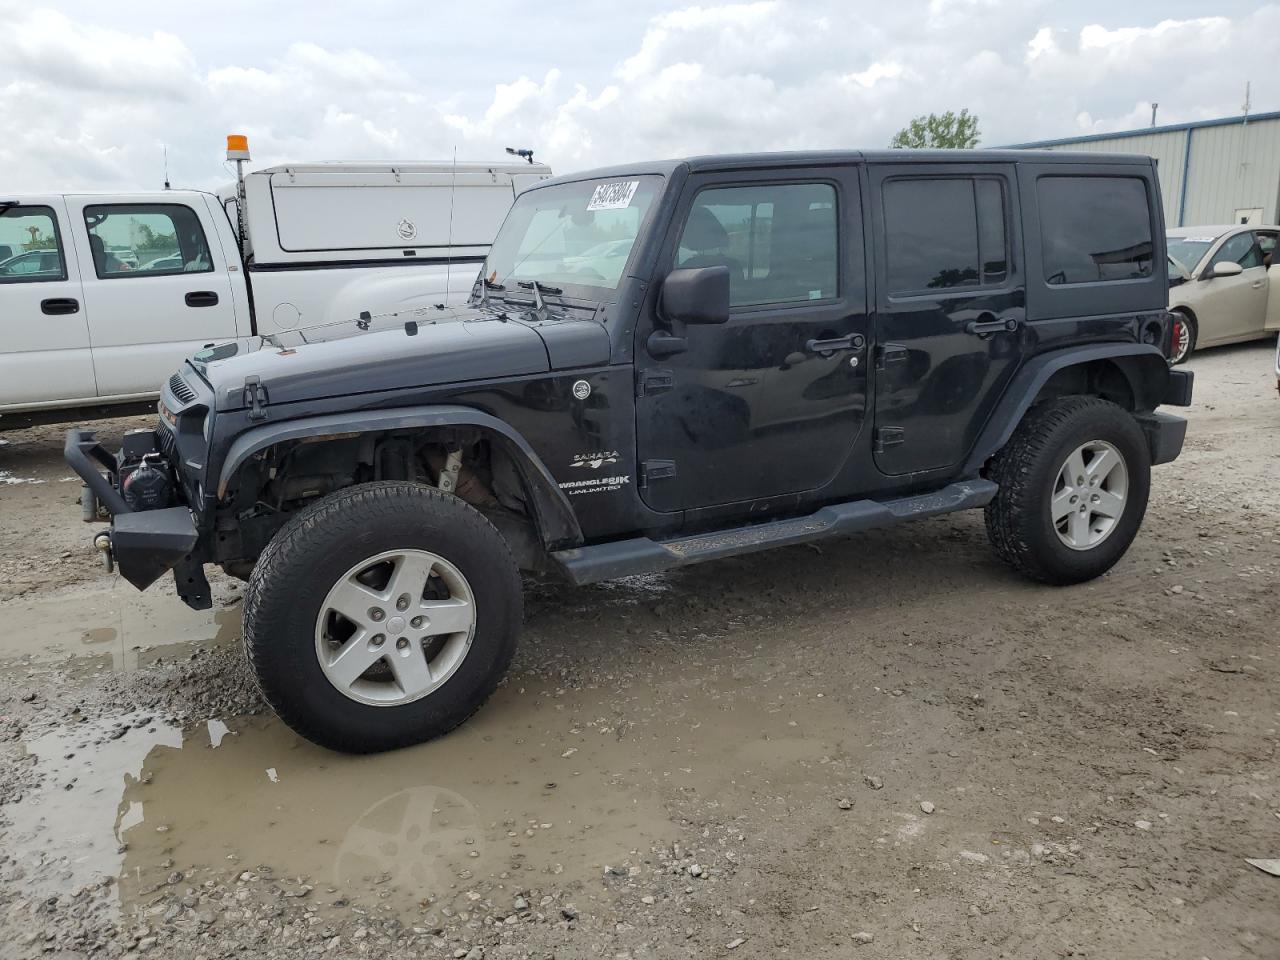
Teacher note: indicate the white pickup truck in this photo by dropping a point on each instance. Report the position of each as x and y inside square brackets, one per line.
[102, 297]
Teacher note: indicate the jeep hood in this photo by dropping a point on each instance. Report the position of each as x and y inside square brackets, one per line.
[350, 361]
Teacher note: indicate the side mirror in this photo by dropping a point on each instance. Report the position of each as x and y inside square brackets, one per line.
[1225, 268]
[696, 295]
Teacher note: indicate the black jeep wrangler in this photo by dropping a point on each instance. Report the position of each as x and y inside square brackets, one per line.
[662, 364]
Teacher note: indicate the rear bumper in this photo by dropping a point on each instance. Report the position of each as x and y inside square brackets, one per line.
[145, 544]
[1165, 434]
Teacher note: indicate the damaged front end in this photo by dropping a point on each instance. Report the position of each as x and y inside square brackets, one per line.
[152, 529]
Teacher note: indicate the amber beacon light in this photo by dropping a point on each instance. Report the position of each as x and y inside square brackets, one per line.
[237, 146]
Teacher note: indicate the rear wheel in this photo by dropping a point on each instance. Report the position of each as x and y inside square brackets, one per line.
[1074, 481]
[382, 616]
[1184, 336]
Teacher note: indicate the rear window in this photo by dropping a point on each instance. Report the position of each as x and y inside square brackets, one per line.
[1094, 229]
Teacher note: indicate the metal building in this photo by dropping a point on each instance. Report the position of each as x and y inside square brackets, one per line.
[1211, 172]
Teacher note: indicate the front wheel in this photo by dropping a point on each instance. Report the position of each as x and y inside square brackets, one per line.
[382, 616]
[1074, 481]
[1184, 337]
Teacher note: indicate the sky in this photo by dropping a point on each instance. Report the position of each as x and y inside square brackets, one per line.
[92, 94]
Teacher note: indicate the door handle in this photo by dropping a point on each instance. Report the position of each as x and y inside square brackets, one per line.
[984, 327]
[202, 298]
[56, 306]
[853, 341]
[1256, 284]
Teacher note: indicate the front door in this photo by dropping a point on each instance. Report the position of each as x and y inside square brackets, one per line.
[1235, 307]
[44, 328]
[950, 305]
[771, 402]
[156, 285]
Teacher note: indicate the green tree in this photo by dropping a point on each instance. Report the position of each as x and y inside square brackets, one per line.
[941, 130]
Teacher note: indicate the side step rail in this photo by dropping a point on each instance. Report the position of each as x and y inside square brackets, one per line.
[626, 558]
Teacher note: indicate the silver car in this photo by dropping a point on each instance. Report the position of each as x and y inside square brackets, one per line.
[1232, 292]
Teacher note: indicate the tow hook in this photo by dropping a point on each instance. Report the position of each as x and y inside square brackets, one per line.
[102, 543]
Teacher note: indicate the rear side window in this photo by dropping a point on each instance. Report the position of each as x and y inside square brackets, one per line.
[30, 247]
[146, 240]
[777, 239]
[945, 232]
[1094, 229]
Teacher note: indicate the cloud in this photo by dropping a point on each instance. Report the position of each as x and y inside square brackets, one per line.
[92, 106]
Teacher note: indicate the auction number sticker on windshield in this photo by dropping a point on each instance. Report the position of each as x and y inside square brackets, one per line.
[613, 196]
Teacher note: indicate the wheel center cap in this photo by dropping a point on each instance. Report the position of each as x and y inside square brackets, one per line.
[395, 626]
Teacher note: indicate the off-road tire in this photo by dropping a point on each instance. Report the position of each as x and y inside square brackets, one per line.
[1193, 333]
[1019, 519]
[313, 550]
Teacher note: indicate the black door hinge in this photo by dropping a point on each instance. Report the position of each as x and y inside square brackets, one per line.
[886, 437]
[656, 470]
[255, 398]
[654, 381]
[890, 353]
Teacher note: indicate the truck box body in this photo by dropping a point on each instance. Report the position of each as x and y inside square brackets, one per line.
[101, 296]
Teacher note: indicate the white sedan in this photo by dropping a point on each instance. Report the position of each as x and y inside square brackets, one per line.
[1233, 290]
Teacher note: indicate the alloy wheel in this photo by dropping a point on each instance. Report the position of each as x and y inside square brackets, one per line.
[1089, 494]
[395, 627]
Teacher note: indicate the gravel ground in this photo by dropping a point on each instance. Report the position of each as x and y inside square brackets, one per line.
[888, 746]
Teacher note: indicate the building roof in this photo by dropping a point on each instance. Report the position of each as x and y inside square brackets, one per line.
[1144, 131]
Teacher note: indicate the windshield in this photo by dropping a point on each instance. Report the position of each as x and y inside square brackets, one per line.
[1188, 250]
[574, 234]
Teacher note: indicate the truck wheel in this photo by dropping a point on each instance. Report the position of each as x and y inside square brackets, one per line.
[1073, 481]
[383, 615]
[1184, 337]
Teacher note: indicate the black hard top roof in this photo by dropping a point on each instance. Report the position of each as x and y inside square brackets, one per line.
[835, 158]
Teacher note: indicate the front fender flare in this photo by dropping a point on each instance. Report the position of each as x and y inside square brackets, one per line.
[557, 524]
[1028, 382]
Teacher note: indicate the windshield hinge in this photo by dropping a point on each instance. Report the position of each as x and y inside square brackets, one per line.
[255, 398]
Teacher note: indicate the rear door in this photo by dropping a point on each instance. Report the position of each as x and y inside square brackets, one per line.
[44, 330]
[156, 284]
[771, 402]
[950, 303]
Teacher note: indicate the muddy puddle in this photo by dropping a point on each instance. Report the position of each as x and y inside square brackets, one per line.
[543, 787]
[111, 625]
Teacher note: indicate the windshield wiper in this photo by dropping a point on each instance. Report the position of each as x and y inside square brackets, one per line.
[538, 290]
[485, 286]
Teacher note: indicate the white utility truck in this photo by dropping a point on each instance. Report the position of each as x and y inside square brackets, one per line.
[103, 296]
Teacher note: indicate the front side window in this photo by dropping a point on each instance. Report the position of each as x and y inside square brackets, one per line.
[1267, 244]
[1094, 229]
[945, 232]
[572, 235]
[30, 248]
[146, 240]
[1242, 249]
[779, 241]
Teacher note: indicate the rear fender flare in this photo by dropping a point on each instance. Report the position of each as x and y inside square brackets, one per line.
[557, 524]
[1145, 368]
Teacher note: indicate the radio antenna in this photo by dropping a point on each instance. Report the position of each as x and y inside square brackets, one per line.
[453, 189]
[166, 166]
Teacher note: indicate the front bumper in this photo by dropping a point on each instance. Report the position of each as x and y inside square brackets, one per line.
[145, 544]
